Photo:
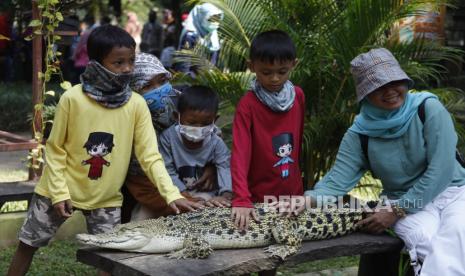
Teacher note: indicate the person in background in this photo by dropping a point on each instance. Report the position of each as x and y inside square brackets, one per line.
[5, 31]
[80, 55]
[6, 60]
[169, 28]
[170, 39]
[152, 36]
[134, 28]
[201, 28]
[184, 16]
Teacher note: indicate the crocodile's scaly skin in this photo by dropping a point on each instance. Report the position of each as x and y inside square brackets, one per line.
[196, 234]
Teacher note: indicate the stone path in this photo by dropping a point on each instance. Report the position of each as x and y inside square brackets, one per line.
[13, 160]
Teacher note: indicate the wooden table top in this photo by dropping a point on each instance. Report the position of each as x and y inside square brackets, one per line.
[233, 262]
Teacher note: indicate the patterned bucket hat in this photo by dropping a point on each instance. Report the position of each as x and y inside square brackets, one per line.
[146, 66]
[374, 69]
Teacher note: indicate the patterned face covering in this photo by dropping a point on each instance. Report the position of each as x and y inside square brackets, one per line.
[155, 96]
[280, 101]
[146, 67]
[107, 88]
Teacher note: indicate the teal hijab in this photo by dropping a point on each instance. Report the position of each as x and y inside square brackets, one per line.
[377, 122]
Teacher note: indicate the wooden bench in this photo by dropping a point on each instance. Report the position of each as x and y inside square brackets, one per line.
[233, 262]
[20, 190]
[13, 142]
[15, 191]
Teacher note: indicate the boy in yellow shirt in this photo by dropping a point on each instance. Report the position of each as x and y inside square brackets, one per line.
[96, 125]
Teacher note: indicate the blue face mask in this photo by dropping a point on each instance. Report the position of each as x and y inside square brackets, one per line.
[154, 97]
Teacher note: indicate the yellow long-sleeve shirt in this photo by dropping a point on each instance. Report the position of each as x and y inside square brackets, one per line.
[89, 149]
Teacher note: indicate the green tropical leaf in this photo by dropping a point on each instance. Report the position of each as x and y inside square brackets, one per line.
[65, 85]
[35, 23]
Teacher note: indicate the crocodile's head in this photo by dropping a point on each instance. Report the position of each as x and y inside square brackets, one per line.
[153, 236]
[130, 240]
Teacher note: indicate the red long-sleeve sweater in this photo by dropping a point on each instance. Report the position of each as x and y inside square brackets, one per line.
[261, 163]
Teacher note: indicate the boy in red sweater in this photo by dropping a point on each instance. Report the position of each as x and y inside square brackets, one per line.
[267, 129]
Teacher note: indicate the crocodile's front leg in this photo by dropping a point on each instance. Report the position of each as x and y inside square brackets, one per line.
[287, 238]
[194, 246]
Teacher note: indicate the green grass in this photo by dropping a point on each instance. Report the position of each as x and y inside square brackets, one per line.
[59, 258]
[14, 206]
[13, 175]
[335, 263]
[9, 176]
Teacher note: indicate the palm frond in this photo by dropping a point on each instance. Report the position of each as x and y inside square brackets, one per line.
[424, 60]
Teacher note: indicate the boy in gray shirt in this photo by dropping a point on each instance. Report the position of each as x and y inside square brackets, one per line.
[191, 144]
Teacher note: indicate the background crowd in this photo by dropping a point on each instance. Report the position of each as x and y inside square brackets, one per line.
[159, 35]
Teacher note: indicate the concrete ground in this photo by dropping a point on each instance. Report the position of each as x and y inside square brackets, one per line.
[13, 160]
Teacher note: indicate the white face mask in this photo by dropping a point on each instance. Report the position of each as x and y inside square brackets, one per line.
[195, 134]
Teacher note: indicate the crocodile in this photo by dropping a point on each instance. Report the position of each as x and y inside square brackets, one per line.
[196, 234]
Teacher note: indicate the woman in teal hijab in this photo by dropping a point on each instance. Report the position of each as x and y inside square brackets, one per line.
[201, 27]
[414, 156]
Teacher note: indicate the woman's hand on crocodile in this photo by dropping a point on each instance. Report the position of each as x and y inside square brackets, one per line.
[378, 222]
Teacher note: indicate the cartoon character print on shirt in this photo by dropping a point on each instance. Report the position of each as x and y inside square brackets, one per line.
[189, 175]
[98, 145]
[282, 147]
